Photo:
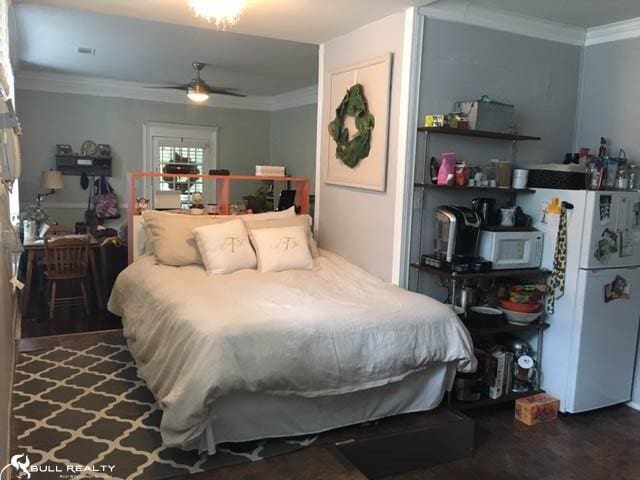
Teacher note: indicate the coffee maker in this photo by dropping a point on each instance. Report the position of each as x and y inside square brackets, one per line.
[457, 233]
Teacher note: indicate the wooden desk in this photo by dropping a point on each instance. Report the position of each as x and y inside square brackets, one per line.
[35, 250]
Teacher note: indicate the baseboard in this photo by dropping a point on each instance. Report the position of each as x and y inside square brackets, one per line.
[634, 405]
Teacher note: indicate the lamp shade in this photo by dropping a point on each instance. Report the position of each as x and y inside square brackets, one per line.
[51, 180]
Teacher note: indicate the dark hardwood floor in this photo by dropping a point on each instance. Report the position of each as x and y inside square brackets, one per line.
[604, 444]
[66, 320]
[598, 445]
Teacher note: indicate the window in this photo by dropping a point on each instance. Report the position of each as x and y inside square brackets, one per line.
[185, 153]
[172, 147]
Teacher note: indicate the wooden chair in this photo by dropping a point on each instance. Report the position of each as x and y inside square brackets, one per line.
[67, 260]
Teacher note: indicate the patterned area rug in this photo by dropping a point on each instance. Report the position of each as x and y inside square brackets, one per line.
[80, 411]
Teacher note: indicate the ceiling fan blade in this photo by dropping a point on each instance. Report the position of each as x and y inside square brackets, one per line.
[170, 87]
[224, 91]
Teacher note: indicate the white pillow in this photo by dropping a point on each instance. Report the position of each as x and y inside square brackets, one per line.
[252, 223]
[289, 212]
[225, 247]
[282, 248]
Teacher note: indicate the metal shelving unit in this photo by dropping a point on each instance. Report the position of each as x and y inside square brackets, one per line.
[423, 187]
[433, 186]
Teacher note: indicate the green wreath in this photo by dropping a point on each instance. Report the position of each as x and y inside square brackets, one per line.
[355, 105]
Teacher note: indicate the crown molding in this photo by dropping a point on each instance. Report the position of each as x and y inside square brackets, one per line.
[465, 12]
[295, 98]
[613, 32]
[78, 85]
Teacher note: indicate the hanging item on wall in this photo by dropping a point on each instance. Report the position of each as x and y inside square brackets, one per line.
[354, 104]
[105, 200]
[84, 180]
[360, 160]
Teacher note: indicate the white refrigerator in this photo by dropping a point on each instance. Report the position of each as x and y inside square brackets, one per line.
[589, 351]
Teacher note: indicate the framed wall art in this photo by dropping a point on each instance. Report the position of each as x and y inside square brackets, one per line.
[358, 126]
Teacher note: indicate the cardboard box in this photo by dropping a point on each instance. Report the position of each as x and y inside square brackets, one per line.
[537, 409]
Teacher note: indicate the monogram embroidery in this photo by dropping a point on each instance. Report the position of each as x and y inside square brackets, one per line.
[232, 243]
[287, 243]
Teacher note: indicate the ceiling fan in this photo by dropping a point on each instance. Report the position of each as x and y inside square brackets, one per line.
[198, 90]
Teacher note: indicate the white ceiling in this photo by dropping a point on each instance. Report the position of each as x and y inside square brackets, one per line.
[577, 13]
[310, 21]
[157, 53]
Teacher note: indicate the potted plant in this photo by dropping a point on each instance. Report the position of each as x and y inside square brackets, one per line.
[261, 200]
[31, 218]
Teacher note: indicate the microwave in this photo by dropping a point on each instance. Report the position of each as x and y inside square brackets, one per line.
[511, 249]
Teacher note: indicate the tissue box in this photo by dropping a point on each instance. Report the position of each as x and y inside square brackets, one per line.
[269, 171]
[537, 409]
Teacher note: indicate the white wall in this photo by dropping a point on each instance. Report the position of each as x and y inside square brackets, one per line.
[609, 108]
[359, 224]
[7, 321]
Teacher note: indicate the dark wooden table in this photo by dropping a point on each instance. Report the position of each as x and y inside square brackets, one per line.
[35, 250]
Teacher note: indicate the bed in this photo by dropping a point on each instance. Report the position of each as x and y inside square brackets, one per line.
[253, 355]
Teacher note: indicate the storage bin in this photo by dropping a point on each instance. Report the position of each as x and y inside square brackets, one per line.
[487, 115]
[556, 179]
[537, 409]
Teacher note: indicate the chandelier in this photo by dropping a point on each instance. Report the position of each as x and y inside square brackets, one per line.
[224, 13]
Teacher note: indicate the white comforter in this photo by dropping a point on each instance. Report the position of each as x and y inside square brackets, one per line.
[331, 330]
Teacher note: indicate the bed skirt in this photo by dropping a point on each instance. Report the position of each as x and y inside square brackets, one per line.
[244, 416]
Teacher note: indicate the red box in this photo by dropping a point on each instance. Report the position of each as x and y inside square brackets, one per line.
[537, 409]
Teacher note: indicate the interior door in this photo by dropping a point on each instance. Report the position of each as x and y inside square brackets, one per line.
[605, 337]
[612, 230]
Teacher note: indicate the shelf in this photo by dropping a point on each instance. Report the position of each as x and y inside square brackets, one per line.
[522, 272]
[487, 402]
[506, 328]
[477, 134]
[474, 188]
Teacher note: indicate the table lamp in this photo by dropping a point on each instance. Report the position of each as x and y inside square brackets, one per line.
[50, 181]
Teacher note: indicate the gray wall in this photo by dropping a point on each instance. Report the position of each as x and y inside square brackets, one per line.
[461, 62]
[359, 224]
[51, 118]
[609, 108]
[610, 96]
[293, 140]
[539, 77]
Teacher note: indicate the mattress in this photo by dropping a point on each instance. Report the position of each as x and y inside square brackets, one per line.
[330, 331]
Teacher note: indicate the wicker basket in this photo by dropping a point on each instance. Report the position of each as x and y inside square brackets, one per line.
[556, 179]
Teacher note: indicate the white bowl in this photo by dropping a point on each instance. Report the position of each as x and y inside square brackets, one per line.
[520, 318]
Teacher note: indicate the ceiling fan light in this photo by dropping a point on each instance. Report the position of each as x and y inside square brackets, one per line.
[224, 13]
[197, 94]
